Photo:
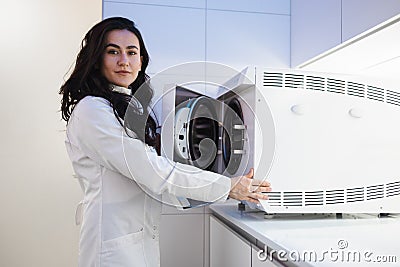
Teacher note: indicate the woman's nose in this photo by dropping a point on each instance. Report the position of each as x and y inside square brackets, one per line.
[123, 60]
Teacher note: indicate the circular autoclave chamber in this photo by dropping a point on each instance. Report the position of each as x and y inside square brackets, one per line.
[206, 129]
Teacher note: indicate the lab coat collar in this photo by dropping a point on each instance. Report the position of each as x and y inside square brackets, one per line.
[120, 89]
[134, 101]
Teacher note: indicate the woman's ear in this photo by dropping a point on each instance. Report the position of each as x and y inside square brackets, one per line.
[141, 61]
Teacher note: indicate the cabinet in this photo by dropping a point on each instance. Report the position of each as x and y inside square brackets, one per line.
[248, 39]
[361, 15]
[182, 240]
[226, 247]
[317, 26]
[173, 35]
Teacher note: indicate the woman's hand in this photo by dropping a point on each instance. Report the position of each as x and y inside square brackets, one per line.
[246, 188]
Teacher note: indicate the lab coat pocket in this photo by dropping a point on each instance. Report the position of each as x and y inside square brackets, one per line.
[123, 251]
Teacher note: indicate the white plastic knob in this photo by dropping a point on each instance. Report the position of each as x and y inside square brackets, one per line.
[298, 109]
[355, 113]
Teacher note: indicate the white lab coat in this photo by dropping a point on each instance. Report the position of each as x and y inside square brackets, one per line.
[120, 223]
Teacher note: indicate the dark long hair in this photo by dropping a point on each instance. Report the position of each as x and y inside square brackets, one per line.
[87, 80]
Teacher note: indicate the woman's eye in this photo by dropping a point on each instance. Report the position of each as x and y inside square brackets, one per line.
[132, 53]
[112, 52]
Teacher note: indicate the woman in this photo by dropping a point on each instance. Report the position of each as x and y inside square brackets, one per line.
[116, 165]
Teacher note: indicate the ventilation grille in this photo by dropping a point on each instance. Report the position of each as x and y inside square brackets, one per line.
[315, 83]
[393, 97]
[355, 194]
[374, 192]
[393, 189]
[335, 86]
[315, 198]
[311, 82]
[355, 89]
[273, 79]
[333, 197]
[375, 93]
[294, 81]
[292, 199]
[274, 199]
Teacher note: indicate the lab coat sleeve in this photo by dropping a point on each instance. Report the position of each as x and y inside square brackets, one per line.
[95, 130]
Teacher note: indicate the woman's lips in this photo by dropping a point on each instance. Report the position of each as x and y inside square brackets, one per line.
[123, 72]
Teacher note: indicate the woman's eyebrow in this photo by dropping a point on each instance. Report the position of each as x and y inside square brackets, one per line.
[112, 45]
[118, 47]
[132, 47]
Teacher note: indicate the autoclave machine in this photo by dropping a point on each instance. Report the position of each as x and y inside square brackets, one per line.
[327, 144]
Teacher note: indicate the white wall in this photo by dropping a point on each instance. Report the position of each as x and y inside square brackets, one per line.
[40, 39]
[361, 15]
[234, 32]
[317, 26]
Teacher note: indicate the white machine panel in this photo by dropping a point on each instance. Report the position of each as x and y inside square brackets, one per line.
[337, 144]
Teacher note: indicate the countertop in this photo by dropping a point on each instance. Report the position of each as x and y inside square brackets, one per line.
[318, 239]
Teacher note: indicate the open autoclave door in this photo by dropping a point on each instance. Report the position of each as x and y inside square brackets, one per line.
[218, 131]
[211, 133]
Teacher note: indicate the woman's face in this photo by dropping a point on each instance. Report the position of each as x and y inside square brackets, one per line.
[121, 59]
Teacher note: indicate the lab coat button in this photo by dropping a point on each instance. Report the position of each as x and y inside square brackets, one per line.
[154, 237]
[154, 227]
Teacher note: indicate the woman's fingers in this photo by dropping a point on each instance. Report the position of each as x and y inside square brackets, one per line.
[260, 186]
[250, 174]
[254, 198]
[248, 189]
[260, 189]
[258, 196]
[260, 183]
